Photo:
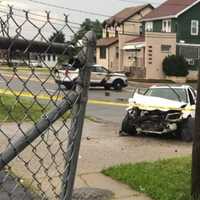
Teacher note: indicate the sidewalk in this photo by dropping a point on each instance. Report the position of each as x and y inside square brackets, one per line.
[98, 180]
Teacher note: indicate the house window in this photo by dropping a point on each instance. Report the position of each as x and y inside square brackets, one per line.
[149, 26]
[141, 30]
[54, 57]
[194, 27]
[166, 26]
[190, 61]
[166, 48]
[44, 57]
[102, 52]
[49, 57]
[117, 52]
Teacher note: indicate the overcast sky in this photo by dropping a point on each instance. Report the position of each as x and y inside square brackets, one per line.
[104, 7]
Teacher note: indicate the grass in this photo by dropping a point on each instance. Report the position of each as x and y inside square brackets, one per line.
[25, 109]
[21, 109]
[161, 180]
[23, 69]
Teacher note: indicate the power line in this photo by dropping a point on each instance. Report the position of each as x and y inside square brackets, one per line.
[98, 14]
[43, 16]
[60, 20]
[79, 11]
[69, 9]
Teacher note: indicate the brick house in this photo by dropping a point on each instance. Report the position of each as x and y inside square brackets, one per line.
[121, 28]
[172, 28]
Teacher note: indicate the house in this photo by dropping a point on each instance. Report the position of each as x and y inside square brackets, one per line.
[172, 28]
[43, 60]
[117, 31]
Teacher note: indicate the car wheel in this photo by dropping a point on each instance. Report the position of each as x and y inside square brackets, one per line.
[118, 84]
[187, 130]
[127, 127]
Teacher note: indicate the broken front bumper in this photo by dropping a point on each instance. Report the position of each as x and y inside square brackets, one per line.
[156, 121]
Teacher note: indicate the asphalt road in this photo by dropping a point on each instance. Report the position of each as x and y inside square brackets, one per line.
[41, 84]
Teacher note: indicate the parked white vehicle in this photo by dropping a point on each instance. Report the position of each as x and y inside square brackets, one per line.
[160, 110]
[100, 76]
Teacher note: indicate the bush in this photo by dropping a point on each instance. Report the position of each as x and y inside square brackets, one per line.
[175, 66]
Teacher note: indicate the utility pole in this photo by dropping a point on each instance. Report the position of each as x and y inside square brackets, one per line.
[196, 149]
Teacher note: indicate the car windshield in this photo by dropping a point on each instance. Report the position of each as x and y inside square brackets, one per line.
[175, 94]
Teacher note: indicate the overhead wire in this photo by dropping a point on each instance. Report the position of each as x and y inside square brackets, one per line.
[37, 20]
[43, 16]
[75, 10]
[66, 8]
[72, 22]
[79, 11]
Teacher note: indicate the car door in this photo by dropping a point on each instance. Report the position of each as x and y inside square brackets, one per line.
[98, 74]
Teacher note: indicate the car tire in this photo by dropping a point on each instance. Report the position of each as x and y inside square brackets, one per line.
[118, 84]
[127, 128]
[187, 130]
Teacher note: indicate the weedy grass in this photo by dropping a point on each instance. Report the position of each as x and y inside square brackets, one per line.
[22, 109]
[161, 180]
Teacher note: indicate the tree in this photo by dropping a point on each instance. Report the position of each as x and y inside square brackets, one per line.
[175, 66]
[88, 25]
[58, 37]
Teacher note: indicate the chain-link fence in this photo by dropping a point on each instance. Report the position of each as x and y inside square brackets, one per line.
[40, 121]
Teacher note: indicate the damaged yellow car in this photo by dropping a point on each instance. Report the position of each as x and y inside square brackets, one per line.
[161, 110]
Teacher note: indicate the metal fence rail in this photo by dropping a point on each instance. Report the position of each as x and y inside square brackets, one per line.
[40, 122]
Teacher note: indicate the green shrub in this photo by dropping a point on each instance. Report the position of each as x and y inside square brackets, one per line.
[175, 66]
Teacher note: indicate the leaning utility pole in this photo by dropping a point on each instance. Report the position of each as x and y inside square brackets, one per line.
[196, 149]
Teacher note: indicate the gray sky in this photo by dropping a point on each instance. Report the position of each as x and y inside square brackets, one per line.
[104, 7]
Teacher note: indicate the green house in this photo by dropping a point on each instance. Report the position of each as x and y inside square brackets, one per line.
[172, 28]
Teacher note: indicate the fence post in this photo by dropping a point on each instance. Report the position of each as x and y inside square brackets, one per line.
[78, 115]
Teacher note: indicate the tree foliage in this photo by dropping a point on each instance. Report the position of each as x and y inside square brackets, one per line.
[175, 66]
[57, 37]
[88, 25]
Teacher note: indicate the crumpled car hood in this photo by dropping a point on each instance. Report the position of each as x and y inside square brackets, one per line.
[155, 103]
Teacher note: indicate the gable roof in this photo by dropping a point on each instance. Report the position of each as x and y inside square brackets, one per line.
[170, 9]
[105, 42]
[125, 14]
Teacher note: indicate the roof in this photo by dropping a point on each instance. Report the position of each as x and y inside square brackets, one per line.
[105, 42]
[170, 9]
[136, 40]
[125, 14]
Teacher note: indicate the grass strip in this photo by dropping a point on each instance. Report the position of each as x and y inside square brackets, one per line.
[161, 180]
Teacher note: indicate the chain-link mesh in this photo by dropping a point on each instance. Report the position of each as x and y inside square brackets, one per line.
[40, 121]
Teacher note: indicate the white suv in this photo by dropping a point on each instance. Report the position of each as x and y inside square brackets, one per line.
[160, 110]
[100, 76]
